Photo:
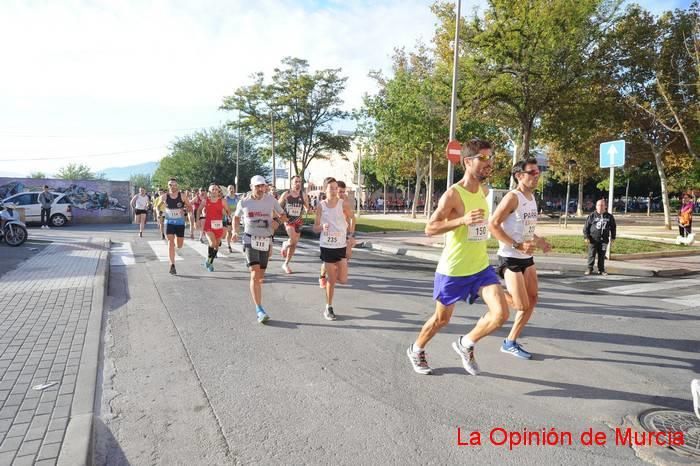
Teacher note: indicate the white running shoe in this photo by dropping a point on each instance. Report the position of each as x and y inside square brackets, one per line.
[418, 361]
[695, 389]
[468, 358]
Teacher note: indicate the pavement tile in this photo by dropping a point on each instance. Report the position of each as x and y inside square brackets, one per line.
[11, 444]
[25, 460]
[7, 457]
[57, 423]
[48, 462]
[54, 436]
[18, 430]
[48, 451]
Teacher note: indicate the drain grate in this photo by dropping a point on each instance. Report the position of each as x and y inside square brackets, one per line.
[668, 420]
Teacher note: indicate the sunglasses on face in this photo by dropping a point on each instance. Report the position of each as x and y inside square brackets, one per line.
[482, 157]
[532, 172]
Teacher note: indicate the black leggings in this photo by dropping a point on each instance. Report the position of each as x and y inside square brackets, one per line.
[685, 231]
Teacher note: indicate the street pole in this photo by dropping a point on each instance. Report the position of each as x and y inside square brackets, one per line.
[274, 169]
[515, 159]
[359, 180]
[627, 195]
[453, 106]
[611, 191]
[566, 207]
[429, 199]
[238, 148]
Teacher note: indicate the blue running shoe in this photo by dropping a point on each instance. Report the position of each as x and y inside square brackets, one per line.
[262, 317]
[512, 347]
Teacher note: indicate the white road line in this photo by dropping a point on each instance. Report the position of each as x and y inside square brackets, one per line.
[688, 301]
[651, 287]
[160, 248]
[203, 249]
[121, 255]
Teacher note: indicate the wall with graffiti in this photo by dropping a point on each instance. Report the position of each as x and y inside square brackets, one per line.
[93, 201]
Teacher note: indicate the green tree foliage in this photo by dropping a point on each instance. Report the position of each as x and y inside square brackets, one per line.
[522, 58]
[74, 171]
[304, 105]
[37, 175]
[141, 180]
[656, 81]
[209, 156]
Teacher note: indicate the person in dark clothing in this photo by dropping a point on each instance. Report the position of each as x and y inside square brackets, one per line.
[46, 200]
[599, 230]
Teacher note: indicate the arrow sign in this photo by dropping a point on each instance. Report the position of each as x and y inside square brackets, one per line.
[612, 154]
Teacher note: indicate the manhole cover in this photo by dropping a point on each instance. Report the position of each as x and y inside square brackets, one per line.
[667, 420]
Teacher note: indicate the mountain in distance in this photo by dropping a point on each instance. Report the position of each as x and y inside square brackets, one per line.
[124, 173]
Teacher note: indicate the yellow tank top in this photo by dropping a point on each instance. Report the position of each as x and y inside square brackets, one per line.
[465, 246]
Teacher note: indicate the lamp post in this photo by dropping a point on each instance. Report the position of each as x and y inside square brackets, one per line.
[238, 147]
[571, 163]
[453, 106]
[274, 170]
[359, 180]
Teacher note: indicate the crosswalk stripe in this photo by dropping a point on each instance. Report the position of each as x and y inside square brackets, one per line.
[160, 248]
[203, 249]
[121, 255]
[651, 287]
[690, 300]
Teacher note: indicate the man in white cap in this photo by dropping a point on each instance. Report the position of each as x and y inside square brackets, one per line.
[258, 212]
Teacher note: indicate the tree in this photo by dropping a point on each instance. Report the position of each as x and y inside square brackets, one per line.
[74, 171]
[209, 156]
[522, 58]
[140, 180]
[303, 105]
[644, 54]
[37, 175]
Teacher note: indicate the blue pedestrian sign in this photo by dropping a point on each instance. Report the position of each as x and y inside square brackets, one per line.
[612, 154]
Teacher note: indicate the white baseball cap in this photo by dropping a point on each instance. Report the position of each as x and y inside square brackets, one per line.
[257, 180]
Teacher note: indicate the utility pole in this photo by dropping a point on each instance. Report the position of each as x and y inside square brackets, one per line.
[453, 106]
[238, 148]
[274, 169]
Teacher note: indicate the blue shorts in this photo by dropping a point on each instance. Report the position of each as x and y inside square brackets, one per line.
[448, 290]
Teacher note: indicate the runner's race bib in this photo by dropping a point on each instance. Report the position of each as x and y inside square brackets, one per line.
[173, 213]
[294, 210]
[529, 230]
[477, 232]
[334, 239]
[217, 224]
[260, 243]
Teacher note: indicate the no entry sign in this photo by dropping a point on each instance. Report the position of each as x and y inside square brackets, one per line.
[454, 151]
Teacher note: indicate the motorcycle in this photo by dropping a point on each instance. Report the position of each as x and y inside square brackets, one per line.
[12, 230]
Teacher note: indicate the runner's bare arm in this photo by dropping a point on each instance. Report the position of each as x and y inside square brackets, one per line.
[199, 211]
[133, 201]
[317, 221]
[349, 217]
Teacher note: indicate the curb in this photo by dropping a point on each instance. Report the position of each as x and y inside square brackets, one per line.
[612, 267]
[77, 446]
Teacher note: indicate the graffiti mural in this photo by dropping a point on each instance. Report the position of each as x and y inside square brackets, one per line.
[92, 200]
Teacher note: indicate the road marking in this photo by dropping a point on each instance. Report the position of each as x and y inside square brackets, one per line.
[121, 255]
[160, 248]
[203, 249]
[650, 287]
[692, 300]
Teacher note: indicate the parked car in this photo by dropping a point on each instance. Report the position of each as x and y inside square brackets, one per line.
[61, 211]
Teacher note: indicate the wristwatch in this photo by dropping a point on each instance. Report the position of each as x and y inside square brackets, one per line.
[515, 245]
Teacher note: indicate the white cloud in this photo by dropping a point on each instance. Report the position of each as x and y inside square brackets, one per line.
[104, 71]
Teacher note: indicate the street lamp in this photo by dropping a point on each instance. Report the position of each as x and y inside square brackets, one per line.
[571, 163]
[238, 148]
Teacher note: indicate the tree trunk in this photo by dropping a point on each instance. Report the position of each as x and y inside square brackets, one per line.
[664, 186]
[526, 131]
[384, 203]
[427, 196]
[579, 209]
[416, 193]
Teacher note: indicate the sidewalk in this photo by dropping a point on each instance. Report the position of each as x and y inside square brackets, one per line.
[50, 322]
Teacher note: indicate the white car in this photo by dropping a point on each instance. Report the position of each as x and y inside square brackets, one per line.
[61, 212]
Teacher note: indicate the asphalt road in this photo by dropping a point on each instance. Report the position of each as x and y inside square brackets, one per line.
[190, 377]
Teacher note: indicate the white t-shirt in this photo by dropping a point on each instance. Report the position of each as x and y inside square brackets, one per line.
[257, 215]
[519, 225]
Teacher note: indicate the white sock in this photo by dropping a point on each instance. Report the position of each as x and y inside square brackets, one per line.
[416, 349]
[466, 342]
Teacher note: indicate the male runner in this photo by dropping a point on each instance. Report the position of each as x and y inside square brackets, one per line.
[334, 222]
[216, 209]
[232, 201]
[463, 270]
[175, 206]
[257, 212]
[294, 202]
[513, 225]
[343, 194]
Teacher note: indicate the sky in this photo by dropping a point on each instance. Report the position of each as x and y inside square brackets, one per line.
[111, 83]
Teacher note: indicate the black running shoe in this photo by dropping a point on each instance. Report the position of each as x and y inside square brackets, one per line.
[172, 270]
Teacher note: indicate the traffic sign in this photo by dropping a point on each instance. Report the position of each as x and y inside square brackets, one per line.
[612, 154]
[454, 151]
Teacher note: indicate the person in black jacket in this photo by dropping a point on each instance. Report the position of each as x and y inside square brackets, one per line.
[599, 230]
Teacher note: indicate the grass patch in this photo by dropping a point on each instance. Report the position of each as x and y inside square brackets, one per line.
[576, 245]
[368, 225]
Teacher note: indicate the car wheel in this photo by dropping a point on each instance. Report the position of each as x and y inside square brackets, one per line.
[58, 220]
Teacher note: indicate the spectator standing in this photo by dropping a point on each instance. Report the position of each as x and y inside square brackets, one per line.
[685, 216]
[599, 231]
[46, 200]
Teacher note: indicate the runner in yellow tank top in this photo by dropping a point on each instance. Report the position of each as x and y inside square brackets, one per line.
[463, 271]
